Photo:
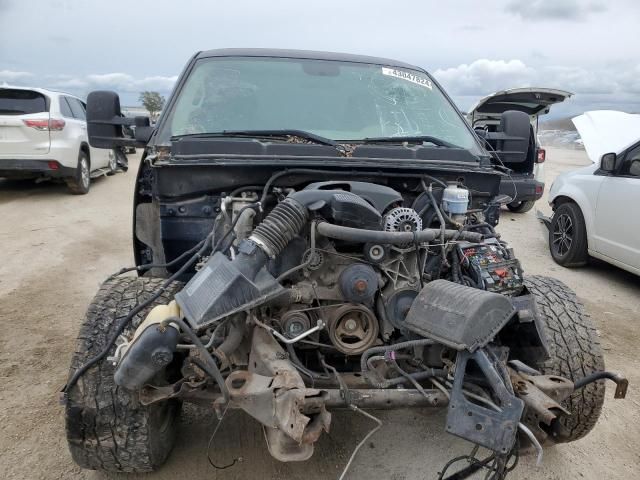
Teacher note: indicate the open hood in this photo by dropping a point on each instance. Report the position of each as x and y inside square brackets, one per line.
[607, 131]
[533, 101]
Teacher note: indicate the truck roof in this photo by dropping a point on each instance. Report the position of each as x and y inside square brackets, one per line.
[304, 54]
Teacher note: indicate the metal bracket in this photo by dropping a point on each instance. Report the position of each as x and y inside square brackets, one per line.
[622, 384]
[478, 423]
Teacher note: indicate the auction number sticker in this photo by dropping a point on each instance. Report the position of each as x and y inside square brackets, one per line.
[408, 76]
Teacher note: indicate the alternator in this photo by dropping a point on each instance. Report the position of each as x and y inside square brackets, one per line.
[402, 219]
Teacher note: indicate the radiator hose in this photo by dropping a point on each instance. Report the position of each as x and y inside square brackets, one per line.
[394, 238]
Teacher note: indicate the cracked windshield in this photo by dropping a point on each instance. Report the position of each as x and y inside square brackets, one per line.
[336, 100]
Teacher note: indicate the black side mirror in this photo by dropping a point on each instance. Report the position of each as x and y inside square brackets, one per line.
[143, 130]
[609, 162]
[105, 121]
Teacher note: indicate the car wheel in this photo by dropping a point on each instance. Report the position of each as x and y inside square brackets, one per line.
[574, 352]
[79, 184]
[521, 207]
[113, 163]
[568, 236]
[107, 426]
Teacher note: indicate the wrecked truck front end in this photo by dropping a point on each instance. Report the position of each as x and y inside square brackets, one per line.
[301, 270]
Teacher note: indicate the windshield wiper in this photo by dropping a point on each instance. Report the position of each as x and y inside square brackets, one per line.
[411, 139]
[312, 137]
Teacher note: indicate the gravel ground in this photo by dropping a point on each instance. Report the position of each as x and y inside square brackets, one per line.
[56, 249]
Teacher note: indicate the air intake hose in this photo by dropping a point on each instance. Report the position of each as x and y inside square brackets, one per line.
[284, 222]
[225, 286]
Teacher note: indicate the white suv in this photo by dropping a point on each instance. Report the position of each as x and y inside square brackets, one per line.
[43, 134]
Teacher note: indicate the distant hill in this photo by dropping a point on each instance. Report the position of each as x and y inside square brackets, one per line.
[558, 124]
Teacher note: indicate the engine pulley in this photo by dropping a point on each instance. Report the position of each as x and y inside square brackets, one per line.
[359, 283]
[353, 329]
[294, 323]
[397, 305]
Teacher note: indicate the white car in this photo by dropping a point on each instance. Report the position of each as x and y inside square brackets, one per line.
[43, 134]
[596, 207]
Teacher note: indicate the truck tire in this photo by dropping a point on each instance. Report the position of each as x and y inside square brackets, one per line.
[107, 427]
[521, 207]
[80, 183]
[569, 250]
[574, 353]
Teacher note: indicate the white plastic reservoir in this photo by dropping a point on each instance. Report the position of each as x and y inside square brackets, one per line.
[455, 200]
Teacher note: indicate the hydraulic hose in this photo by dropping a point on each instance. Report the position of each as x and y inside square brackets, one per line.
[212, 369]
[202, 247]
[234, 337]
[433, 372]
[358, 235]
[429, 192]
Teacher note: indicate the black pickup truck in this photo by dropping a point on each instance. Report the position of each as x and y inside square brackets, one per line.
[315, 231]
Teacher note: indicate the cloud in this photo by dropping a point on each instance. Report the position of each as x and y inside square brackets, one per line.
[127, 83]
[11, 76]
[484, 76]
[122, 83]
[472, 28]
[630, 80]
[59, 39]
[571, 10]
[581, 80]
[611, 87]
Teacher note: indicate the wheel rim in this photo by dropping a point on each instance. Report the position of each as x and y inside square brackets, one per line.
[562, 234]
[84, 173]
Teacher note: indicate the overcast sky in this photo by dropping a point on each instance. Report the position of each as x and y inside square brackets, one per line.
[590, 47]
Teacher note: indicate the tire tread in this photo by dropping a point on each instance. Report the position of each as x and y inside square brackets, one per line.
[574, 350]
[107, 428]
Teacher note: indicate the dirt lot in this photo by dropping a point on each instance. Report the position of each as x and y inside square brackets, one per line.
[57, 248]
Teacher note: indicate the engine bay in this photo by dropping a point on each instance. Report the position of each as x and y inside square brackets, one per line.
[352, 294]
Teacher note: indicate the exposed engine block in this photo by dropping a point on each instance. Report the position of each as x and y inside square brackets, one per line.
[362, 291]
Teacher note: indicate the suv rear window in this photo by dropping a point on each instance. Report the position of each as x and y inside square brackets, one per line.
[21, 102]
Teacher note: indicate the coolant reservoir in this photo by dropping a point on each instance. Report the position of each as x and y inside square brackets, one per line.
[455, 200]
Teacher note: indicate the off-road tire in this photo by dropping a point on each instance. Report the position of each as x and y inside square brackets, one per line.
[577, 254]
[80, 183]
[521, 207]
[107, 427]
[574, 350]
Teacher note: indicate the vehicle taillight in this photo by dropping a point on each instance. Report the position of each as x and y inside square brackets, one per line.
[53, 165]
[542, 155]
[57, 124]
[45, 124]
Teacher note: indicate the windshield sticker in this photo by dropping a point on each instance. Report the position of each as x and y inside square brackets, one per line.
[409, 77]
